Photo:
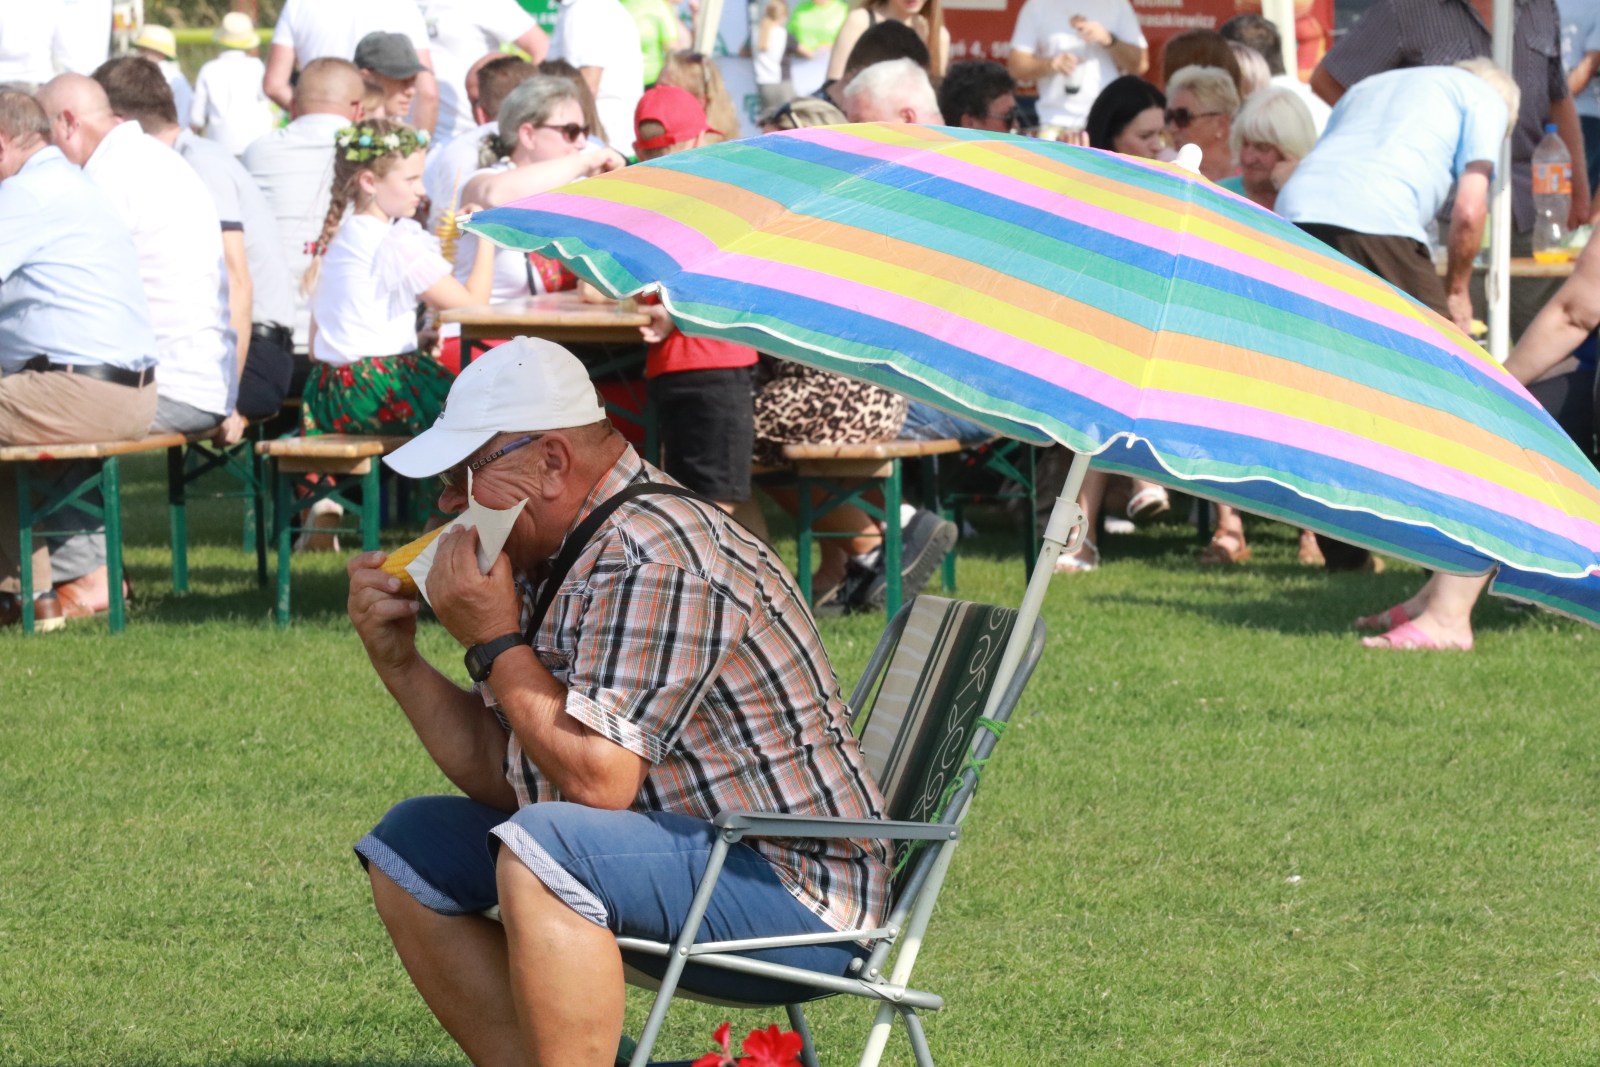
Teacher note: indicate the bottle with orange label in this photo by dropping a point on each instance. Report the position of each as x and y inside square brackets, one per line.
[1552, 197]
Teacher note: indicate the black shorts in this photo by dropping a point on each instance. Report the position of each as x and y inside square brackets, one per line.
[707, 427]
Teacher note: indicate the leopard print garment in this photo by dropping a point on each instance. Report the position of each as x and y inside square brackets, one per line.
[803, 405]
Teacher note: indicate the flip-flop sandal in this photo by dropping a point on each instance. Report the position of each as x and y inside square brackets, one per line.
[1147, 503]
[1410, 637]
[1225, 548]
[1392, 619]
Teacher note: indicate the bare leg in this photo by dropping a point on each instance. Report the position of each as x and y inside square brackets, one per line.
[566, 973]
[1090, 496]
[458, 964]
[1227, 540]
[847, 519]
[1442, 610]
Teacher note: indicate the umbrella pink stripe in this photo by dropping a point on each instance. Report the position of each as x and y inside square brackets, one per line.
[1283, 276]
[1226, 416]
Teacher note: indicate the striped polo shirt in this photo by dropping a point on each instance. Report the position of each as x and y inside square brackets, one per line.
[681, 637]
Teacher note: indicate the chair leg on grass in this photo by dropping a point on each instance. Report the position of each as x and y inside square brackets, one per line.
[919, 1040]
[798, 1023]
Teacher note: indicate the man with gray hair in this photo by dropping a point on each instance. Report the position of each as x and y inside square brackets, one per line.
[76, 349]
[893, 91]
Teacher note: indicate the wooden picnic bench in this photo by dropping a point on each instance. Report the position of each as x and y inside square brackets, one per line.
[304, 470]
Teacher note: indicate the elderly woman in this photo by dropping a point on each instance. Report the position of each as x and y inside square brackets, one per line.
[1272, 132]
[1201, 102]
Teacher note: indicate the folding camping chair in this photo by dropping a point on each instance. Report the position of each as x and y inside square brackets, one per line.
[919, 710]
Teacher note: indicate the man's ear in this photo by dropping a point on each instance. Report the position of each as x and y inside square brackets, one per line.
[908, 115]
[559, 461]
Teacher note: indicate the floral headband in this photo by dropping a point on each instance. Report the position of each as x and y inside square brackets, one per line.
[363, 144]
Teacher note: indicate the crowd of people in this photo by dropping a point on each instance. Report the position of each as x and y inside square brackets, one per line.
[173, 258]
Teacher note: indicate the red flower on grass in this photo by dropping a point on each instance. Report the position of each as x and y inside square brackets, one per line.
[771, 1047]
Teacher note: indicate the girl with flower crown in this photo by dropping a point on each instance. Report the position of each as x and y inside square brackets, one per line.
[370, 271]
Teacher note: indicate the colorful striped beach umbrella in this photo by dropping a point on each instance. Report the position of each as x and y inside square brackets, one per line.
[1123, 308]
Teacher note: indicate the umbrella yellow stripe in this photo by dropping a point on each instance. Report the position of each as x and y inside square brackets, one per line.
[1395, 430]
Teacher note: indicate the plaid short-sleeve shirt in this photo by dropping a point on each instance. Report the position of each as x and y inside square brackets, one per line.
[681, 637]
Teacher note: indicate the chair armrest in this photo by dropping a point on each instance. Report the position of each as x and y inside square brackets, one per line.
[773, 824]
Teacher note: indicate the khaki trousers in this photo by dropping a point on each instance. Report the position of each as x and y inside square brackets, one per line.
[53, 408]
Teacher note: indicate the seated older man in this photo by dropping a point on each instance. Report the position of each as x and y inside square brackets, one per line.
[671, 673]
[76, 347]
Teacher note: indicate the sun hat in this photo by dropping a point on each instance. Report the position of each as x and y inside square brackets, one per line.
[679, 113]
[157, 39]
[236, 31]
[390, 54]
[527, 384]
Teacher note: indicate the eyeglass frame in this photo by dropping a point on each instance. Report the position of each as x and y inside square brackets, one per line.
[450, 480]
[1172, 116]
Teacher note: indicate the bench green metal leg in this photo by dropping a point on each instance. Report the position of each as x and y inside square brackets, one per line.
[111, 490]
[282, 524]
[25, 521]
[178, 518]
[806, 516]
[371, 508]
[892, 541]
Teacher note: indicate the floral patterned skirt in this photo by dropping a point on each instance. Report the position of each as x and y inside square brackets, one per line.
[396, 396]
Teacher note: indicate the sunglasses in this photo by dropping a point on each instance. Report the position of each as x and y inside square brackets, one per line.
[572, 131]
[1180, 117]
[456, 477]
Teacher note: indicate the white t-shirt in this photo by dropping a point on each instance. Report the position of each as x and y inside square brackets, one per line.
[1044, 27]
[229, 103]
[317, 28]
[512, 275]
[83, 40]
[450, 167]
[601, 33]
[30, 38]
[294, 168]
[768, 61]
[366, 299]
[461, 32]
[179, 239]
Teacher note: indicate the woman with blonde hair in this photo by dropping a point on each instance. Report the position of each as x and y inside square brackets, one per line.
[699, 75]
[1201, 102]
[924, 16]
[1272, 132]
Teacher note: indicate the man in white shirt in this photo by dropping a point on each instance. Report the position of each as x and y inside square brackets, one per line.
[76, 348]
[230, 106]
[459, 32]
[30, 41]
[601, 39]
[1073, 49]
[294, 168]
[313, 29]
[261, 307]
[454, 163]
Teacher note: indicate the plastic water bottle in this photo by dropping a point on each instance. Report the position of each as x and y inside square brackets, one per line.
[1552, 197]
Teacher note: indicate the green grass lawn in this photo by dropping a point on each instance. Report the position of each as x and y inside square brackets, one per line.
[1219, 833]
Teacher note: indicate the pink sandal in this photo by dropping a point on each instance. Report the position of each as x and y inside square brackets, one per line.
[1410, 637]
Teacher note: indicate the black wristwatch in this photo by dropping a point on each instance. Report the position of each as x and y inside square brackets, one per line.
[480, 658]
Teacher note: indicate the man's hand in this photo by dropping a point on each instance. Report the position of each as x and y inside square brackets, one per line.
[232, 428]
[474, 607]
[1063, 63]
[661, 324]
[385, 621]
[1091, 31]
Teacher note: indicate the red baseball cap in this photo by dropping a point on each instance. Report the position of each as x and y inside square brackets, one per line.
[679, 113]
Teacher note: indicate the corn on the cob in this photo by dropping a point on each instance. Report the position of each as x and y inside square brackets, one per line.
[449, 229]
[395, 565]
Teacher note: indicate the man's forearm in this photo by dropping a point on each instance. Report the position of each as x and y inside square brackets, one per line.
[1027, 67]
[1129, 58]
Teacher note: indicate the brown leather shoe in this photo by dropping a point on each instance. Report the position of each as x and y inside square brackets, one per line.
[47, 614]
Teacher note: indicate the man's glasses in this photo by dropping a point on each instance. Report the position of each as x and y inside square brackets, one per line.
[456, 477]
[572, 131]
[1180, 117]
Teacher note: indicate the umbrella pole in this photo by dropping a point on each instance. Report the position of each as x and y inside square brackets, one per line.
[1064, 530]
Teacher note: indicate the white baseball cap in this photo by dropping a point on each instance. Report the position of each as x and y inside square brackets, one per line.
[526, 384]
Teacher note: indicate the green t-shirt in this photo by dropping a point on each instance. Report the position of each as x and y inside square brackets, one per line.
[813, 25]
[658, 33]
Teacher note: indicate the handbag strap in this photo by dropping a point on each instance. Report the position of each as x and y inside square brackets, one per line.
[584, 532]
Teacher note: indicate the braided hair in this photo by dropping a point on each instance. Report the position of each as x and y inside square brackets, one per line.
[374, 146]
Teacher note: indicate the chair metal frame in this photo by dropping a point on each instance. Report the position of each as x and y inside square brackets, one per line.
[884, 976]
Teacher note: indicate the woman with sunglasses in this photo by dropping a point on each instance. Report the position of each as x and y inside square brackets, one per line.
[542, 125]
[924, 16]
[1201, 102]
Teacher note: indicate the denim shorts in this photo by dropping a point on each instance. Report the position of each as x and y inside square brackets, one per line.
[631, 872]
